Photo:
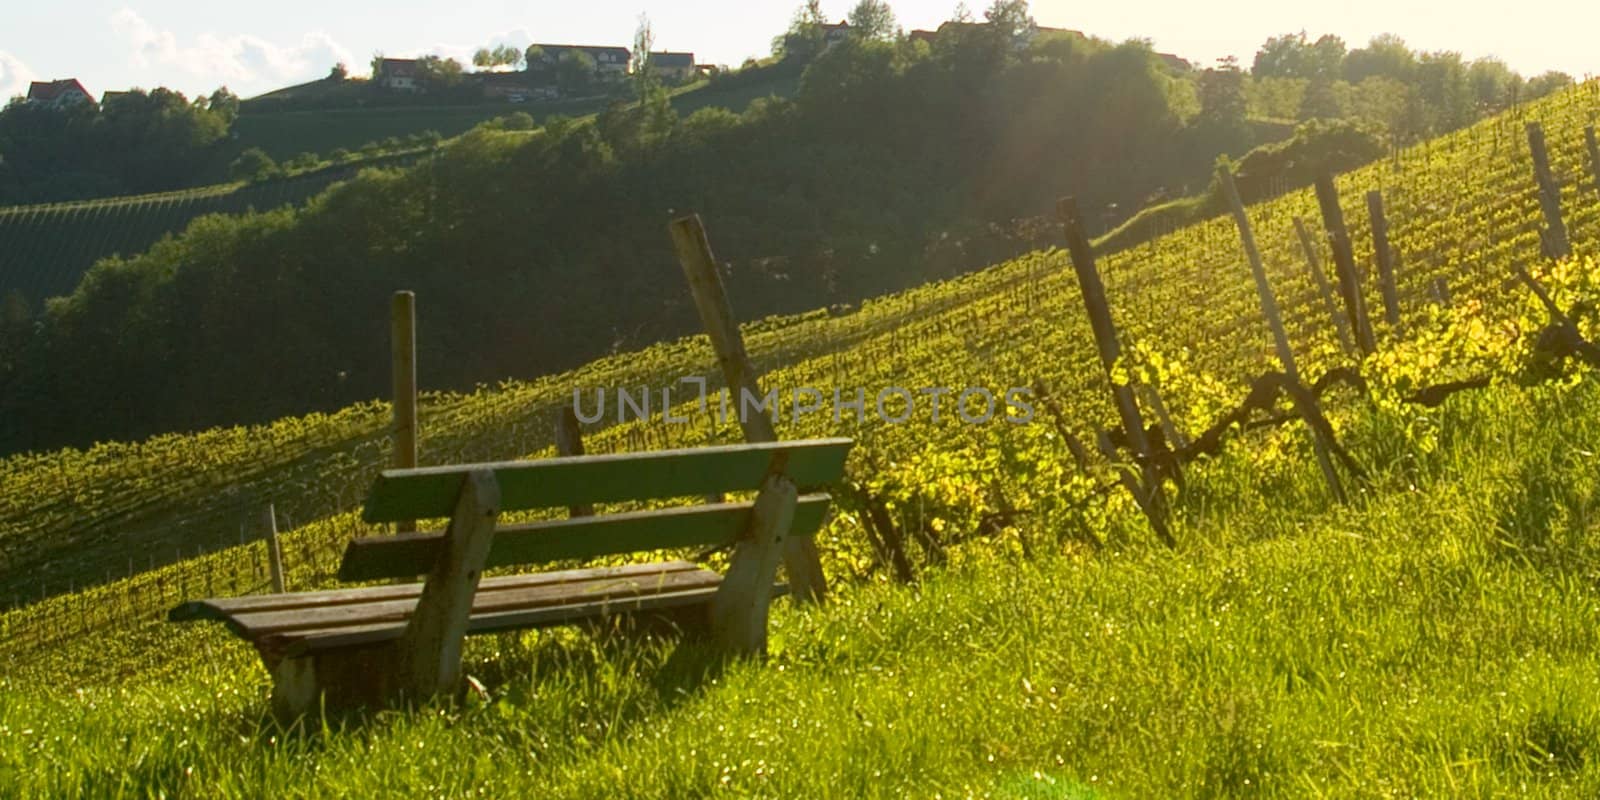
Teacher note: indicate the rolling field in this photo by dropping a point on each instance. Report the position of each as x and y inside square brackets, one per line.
[46, 249]
[1437, 635]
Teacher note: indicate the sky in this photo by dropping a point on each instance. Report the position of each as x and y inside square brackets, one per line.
[256, 47]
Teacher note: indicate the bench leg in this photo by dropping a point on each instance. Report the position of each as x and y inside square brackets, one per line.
[337, 679]
[739, 609]
[294, 688]
[430, 649]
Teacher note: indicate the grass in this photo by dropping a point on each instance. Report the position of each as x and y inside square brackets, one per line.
[1438, 638]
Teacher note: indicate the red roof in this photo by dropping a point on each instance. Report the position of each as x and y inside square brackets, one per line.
[50, 91]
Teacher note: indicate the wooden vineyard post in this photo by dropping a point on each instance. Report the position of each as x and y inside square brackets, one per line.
[1269, 307]
[1384, 257]
[569, 442]
[274, 551]
[403, 369]
[1344, 262]
[1146, 488]
[1314, 260]
[1594, 155]
[1555, 233]
[800, 559]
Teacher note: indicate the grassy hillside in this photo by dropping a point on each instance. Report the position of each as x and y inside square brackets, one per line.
[46, 249]
[283, 134]
[1461, 208]
[1435, 637]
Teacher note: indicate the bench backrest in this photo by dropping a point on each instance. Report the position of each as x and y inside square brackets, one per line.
[431, 492]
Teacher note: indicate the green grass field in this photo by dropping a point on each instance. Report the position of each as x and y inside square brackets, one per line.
[1439, 638]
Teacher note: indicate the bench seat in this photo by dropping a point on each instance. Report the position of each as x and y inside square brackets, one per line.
[302, 623]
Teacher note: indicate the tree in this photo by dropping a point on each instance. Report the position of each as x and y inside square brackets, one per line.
[1325, 58]
[1491, 81]
[872, 19]
[377, 64]
[1223, 102]
[1281, 57]
[1546, 83]
[644, 78]
[482, 59]
[253, 165]
[804, 39]
[575, 72]
[1010, 18]
[224, 104]
[961, 14]
[1386, 56]
[339, 72]
[436, 71]
[1320, 101]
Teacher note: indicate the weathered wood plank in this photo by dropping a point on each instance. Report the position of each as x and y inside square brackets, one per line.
[569, 442]
[220, 609]
[430, 650]
[1556, 243]
[1383, 253]
[429, 492]
[1146, 489]
[1269, 309]
[324, 641]
[739, 612]
[1314, 260]
[376, 557]
[262, 624]
[1344, 262]
[801, 560]
[403, 373]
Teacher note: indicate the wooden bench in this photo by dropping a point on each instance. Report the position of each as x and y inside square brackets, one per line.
[372, 645]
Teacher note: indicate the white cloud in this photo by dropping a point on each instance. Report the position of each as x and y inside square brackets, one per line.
[242, 61]
[14, 76]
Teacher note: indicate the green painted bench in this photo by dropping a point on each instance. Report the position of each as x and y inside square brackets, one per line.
[372, 645]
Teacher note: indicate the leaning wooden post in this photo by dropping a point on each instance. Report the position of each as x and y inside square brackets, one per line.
[1148, 490]
[274, 551]
[1384, 257]
[1344, 262]
[1594, 155]
[1329, 306]
[403, 369]
[800, 559]
[1269, 307]
[569, 442]
[1555, 233]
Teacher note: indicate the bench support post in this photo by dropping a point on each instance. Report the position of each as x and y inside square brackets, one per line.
[430, 650]
[739, 609]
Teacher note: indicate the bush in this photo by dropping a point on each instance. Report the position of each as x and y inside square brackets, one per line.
[253, 165]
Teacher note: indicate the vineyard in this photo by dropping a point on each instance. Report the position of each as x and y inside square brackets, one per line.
[955, 506]
[46, 249]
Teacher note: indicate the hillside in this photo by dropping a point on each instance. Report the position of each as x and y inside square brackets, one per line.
[814, 203]
[285, 133]
[1435, 636]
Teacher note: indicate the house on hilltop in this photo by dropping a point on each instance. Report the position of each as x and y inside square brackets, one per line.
[609, 62]
[834, 34]
[399, 74]
[673, 67]
[59, 93]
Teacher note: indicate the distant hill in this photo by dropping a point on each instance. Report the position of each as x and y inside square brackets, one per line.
[355, 121]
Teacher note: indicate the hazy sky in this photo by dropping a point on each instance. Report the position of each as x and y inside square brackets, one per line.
[255, 47]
